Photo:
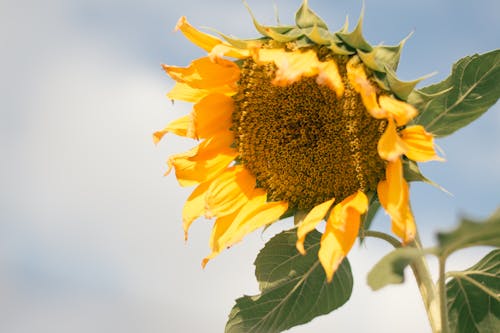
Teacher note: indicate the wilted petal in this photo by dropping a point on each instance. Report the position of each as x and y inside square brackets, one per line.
[341, 231]
[216, 76]
[419, 143]
[194, 206]
[205, 161]
[401, 112]
[329, 75]
[178, 126]
[393, 194]
[312, 219]
[390, 145]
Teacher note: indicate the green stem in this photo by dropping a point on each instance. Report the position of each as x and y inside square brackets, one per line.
[442, 296]
[381, 235]
[427, 289]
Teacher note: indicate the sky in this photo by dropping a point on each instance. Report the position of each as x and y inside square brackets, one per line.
[90, 230]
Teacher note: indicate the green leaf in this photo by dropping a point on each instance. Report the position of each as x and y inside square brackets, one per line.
[471, 89]
[473, 297]
[390, 269]
[293, 287]
[306, 18]
[471, 233]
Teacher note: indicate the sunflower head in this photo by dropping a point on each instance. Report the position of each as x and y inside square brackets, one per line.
[304, 121]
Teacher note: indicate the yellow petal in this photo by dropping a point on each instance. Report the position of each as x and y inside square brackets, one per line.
[390, 145]
[184, 92]
[253, 219]
[221, 225]
[222, 50]
[310, 222]
[205, 161]
[179, 126]
[229, 191]
[291, 66]
[393, 194]
[194, 206]
[419, 143]
[329, 75]
[341, 231]
[401, 112]
[201, 39]
[211, 115]
[359, 81]
[219, 76]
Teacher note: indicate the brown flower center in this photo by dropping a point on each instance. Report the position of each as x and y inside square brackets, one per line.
[302, 143]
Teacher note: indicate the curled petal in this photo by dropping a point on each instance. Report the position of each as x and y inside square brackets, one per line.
[194, 206]
[359, 81]
[223, 49]
[229, 191]
[401, 112]
[256, 213]
[219, 76]
[329, 75]
[291, 66]
[390, 145]
[184, 92]
[178, 126]
[419, 143]
[341, 231]
[310, 222]
[394, 196]
[201, 39]
[221, 225]
[204, 161]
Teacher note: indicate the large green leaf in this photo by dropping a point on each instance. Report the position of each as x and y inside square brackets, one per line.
[390, 269]
[293, 287]
[471, 89]
[473, 297]
[471, 233]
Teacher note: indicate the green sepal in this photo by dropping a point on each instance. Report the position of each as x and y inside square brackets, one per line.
[237, 42]
[339, 49]
[412, 173]
[268, 31]
[382, 56]
[355, 38]
[306, 18]
[319, 35]
[402, 89]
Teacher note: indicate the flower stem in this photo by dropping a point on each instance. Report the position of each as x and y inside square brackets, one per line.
[442, 296]
[381, 235]
[427, 289]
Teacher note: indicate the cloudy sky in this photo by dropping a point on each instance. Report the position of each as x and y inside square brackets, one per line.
[90, 230]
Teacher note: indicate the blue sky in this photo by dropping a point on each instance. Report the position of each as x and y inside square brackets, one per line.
[90, 230]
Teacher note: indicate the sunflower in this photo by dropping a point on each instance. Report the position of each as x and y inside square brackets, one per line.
[301, 121]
